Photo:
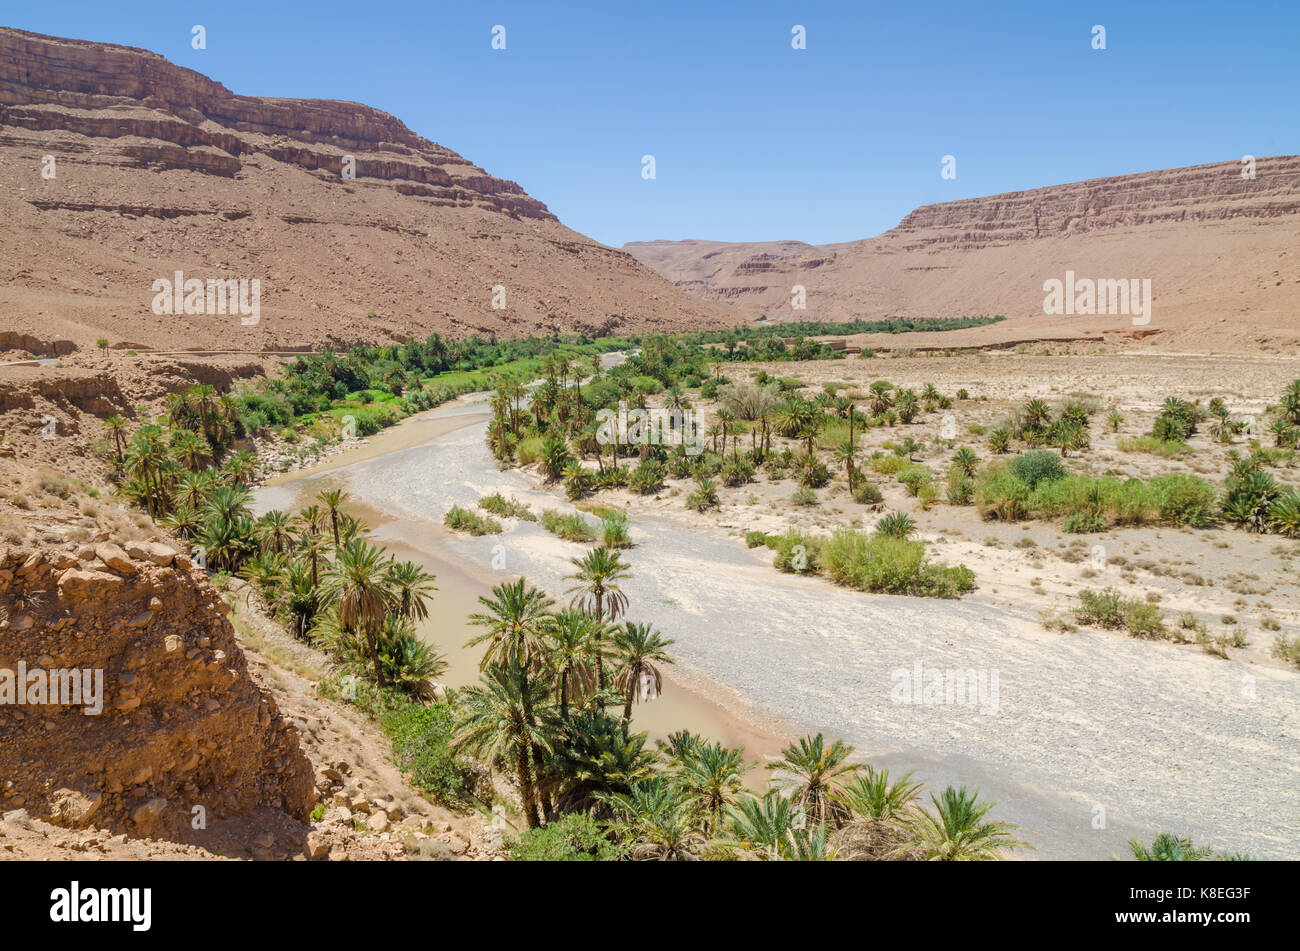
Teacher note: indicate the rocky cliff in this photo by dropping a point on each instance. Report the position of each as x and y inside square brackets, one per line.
[182, 733]
[1220, 250]
[118, 168]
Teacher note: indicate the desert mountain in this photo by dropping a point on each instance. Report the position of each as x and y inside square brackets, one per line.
[118, 168]
[1222, 253]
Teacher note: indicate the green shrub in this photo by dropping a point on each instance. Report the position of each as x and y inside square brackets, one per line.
[893, 565]
[1143, 619]
[1103, 608]
[795, 552]
[463, 520]
[914, 476]
[421, 736]
[961, 491]
[887, 465]
[1000, 495]
[498, 504]
[575, 837]
[866, 492]
[529, 450]
[1038, 465]
[755, 539]
[814, 474]
[572, 528]
[614, 531]
[648, 477]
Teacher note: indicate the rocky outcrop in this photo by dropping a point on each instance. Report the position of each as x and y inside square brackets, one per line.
[182, 732]
[1202, 193]
[1219, 249]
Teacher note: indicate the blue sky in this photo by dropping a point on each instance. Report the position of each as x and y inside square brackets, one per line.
[752, 139]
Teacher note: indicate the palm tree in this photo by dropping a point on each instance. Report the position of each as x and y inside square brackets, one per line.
[515, 618]
[572, 654]
[881, 401]
[273, 527]
[359, 583]
[762, 825]
[413, 587]
[312, 545]
[882, 813]
[333, 500]
[712, 775]
[640, 647]
[813, 774]
[1170, 848]
[598, 593]
[965, 461]
[847, 452]
[1037, 413]
[956, 832]
[499, 723]
[227, 502]
[654, 817]
[191, 490]
[117, 426]
[240, 467]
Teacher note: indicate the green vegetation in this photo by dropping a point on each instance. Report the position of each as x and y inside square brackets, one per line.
[498, 504]
[572, 528]
[463, 520]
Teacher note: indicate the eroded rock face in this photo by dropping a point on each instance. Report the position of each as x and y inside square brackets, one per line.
[159, 169]
[1218, 248]
[182, 722]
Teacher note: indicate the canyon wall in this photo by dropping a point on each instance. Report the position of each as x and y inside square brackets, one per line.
[119, 168]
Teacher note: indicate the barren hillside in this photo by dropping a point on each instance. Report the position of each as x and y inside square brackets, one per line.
[1222, 253]
[154, 169]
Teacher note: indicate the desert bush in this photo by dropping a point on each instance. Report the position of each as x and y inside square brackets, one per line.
[1039, 465]
[421, 737]
[575, 837]
[896, 525]
[893, 565]
[866, 492]
[704, 495]
[1103, 608]
[755, 539]
[887, 465]
[614, 531]
[804, 496]
[463, 520]
[795, 552]
[529, 450]
[648, 477]
[498, 504]
[914, 476]
[572, 528]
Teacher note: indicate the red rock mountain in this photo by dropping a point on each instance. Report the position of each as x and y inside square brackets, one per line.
[1222, 253]
[156, 169]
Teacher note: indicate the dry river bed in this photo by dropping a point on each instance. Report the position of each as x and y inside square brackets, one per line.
[1084, 741]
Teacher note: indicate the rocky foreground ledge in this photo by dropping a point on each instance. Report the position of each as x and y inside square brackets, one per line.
[181, 732]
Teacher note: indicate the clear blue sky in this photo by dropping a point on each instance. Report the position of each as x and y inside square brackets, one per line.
[754, 140]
